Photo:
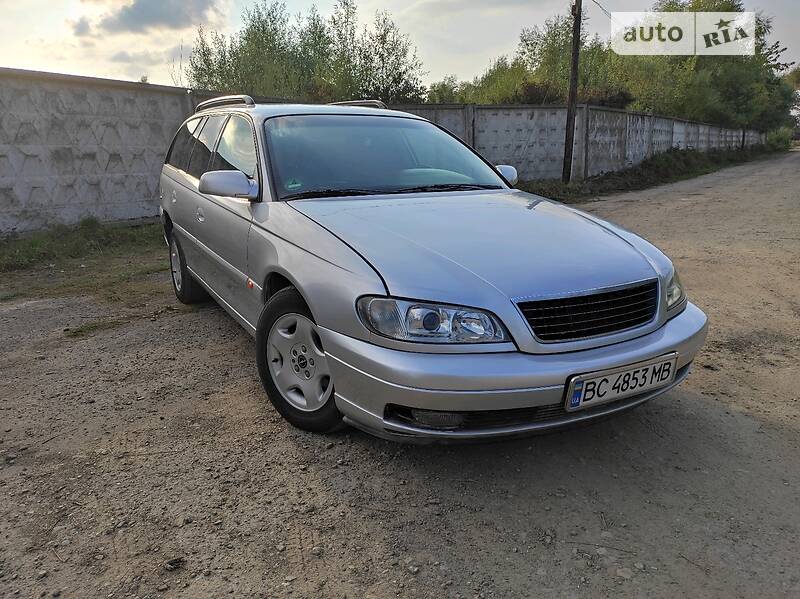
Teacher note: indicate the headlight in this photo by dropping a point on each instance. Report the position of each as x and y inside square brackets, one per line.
[674, 290]
[429, 323]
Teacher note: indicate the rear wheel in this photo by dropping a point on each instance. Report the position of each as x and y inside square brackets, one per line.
[187, 289]
[292, 364]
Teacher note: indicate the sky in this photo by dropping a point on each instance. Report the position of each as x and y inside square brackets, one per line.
[125, 39]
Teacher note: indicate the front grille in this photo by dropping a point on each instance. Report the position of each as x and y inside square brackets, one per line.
[578, 317]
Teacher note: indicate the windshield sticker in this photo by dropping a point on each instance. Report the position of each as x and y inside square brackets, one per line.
[293, 184]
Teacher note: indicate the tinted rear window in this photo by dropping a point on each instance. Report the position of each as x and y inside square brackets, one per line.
[182, 146]
[201, 152]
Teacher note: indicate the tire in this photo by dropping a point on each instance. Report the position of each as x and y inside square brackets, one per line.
[292, 364]
[186, 287]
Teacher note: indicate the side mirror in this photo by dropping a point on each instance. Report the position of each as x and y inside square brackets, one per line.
[509, 172]
[229, 184]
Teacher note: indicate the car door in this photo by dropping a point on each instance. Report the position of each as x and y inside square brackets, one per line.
[177, 189]
[198, 225]
[226, 221]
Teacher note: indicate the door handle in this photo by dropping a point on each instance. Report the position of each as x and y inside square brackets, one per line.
[200, 216]
[174, 197]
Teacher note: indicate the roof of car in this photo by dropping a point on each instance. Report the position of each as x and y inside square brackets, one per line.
[265, 111]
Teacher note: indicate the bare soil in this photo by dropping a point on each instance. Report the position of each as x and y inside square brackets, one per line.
[139, 456]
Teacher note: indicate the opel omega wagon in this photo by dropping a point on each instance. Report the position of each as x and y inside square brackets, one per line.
[394, 280]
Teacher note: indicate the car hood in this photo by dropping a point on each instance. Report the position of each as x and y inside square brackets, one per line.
[460, 247]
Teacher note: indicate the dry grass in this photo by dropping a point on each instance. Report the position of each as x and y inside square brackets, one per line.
[90, 328]
[126, 265]
[87, 239]
[668, 167]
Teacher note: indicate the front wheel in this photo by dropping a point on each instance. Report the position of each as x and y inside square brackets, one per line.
[292, 364]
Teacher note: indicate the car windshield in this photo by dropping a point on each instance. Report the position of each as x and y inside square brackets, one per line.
[334, 155]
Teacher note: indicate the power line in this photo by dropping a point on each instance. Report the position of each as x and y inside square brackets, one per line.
[607, 13]
[603, 8]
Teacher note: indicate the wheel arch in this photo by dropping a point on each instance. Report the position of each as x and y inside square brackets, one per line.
[327, 273]
[276, 280]
[166, 221]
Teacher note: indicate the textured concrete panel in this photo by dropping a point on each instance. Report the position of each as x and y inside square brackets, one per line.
[452, 118]
[679, 135]
[753, 138]
[640, 137]
[713, 137]
[528, 138]
[662, 135]
[702, 137]
[692, 139]
[72, 148]
[607, 140]
[733, 139]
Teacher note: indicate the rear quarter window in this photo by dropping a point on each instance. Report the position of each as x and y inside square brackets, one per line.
[201, 151]
[179, 152]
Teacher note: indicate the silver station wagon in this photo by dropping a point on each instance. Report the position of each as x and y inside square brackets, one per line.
[394, 280]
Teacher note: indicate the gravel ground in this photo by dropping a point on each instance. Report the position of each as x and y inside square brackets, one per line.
[140, 458]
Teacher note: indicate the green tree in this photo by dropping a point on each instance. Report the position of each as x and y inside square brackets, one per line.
[736, 91]
[446, 91]
[388, 66]
[314, 58]
[546, 51]
[310, 58]
[501, 83]
[344, 34]
[792, 78]
[742, 91]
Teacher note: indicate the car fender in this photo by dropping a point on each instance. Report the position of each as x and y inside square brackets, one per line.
[328, 273]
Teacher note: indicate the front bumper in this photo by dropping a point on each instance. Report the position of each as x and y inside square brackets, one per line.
[372, 381]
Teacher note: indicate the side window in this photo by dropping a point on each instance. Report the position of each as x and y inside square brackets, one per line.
[178, 154]
[236, 149]
[206, 138]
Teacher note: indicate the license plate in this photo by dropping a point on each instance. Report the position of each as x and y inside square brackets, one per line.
[603, 386]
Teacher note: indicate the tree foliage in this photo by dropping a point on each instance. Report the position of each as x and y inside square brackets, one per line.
[736, 91]
[313, 58]
[309, 58]
[792, 78]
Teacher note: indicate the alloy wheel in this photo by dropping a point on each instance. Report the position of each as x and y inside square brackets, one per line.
[297, 362]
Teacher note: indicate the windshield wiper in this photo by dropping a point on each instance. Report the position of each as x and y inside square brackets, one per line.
[332, 193]
[329, 193]
[446, 187]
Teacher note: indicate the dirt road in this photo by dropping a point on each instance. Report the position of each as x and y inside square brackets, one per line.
[139, 456]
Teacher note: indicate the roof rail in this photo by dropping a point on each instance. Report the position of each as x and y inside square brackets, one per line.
[225, 101]
[365, 103]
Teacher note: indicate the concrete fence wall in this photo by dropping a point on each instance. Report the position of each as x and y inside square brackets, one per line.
[72, 147]
[531, 138]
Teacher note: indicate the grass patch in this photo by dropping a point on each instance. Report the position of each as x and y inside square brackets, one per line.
[134, 281]
[90, 328]
[118, 264]
[6, 296]
[86, 240]
[668, 167]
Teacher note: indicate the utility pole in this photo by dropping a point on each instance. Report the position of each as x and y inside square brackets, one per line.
[572, 99]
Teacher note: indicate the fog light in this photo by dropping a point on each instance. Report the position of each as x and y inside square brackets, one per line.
[441, 420]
